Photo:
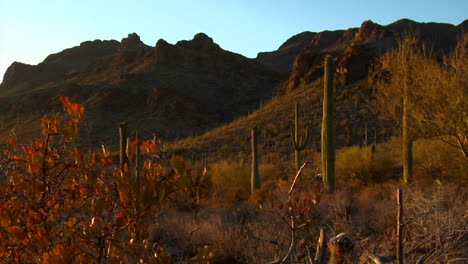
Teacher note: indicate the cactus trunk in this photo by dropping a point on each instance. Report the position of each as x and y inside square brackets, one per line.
[407, 142]
[137, 155]
[328, 126]
[299, 142]
[254, 178]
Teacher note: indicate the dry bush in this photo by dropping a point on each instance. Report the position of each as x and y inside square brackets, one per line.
[366, 213]
[435, 216]
[238, 234]
[436, 223]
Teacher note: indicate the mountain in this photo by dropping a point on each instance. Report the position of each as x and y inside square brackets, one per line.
[182, 90]
[166, 90]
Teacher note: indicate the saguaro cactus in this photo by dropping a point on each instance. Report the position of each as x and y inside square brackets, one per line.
[123, 144]
[328, 126]
[255, 177]
[407, 141]
[299, 141]
[137, 155]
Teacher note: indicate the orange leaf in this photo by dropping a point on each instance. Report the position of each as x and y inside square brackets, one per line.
[58, 250]
[83, 192]
[72, 222]
[108, 160]
[43, 212]
[148, 146]
[65, 100]
[75, 107]
[134, 143]
[81, 112]
[12, 142]
[50, 203]
[16, 232]
[121, 220]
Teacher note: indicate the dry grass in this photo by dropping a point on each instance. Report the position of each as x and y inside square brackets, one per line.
[240, 233]
[442, 233]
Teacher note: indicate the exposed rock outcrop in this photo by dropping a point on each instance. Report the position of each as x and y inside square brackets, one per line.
[355, 49]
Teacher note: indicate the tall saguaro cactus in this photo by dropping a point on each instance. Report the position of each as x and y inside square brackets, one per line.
[328, 126]
[407, 141]
[255, 177]
[299, 141]
[123, 145]
[137, 155]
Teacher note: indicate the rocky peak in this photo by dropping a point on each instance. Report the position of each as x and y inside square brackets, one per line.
[371, 31]
[464, 25]
[200, 42]
[161, 45]
[298, 41]
[402, 25]
[165, 52]
[132, 41]
[18, 72]
[306, 68]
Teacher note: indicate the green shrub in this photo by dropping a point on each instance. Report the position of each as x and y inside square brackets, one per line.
[232, 178]
[439, 161]
[363, 164]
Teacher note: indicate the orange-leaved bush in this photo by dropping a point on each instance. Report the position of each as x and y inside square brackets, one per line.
[59, 205]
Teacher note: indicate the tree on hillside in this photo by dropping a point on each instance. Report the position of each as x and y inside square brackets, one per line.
[424, 94]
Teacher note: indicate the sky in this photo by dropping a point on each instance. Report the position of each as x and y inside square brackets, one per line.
[32, 29]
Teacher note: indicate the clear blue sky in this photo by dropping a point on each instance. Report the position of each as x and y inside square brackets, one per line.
[32, 29]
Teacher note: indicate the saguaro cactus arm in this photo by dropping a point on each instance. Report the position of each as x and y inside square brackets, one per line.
[299, 141]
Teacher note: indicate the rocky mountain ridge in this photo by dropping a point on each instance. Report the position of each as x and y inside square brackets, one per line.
[178, 89]
[184, 89]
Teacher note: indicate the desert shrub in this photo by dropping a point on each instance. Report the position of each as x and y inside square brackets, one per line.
[436, 223]
[438, 160]
[364, 164]
[232, 179]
